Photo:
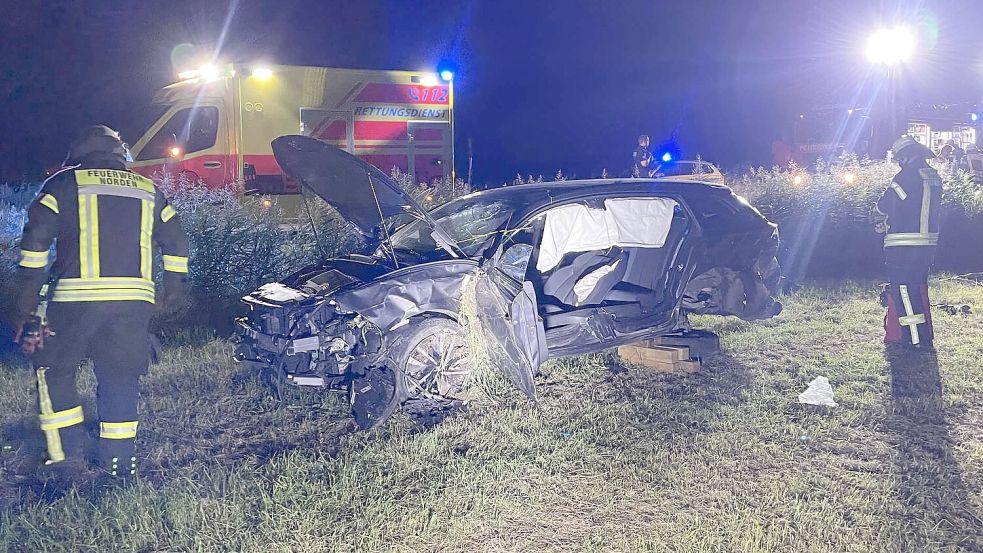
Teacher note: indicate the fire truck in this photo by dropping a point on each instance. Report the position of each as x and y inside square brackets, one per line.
[217, 122]
[824, 133]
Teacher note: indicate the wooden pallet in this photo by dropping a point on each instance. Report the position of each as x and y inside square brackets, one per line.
[663, 359]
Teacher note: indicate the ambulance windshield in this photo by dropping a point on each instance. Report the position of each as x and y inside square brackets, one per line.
[138, 127]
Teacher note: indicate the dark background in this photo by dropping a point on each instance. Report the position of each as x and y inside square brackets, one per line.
[540, 86]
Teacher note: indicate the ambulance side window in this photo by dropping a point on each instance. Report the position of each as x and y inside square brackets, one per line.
[195, 129]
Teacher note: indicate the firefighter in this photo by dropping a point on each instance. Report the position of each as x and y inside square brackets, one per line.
[642, 158]
[99, 294]
[909, 215]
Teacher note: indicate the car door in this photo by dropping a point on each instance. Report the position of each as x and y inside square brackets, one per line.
[509, 315]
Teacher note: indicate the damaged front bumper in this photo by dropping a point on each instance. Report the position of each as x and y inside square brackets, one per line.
[304, 340]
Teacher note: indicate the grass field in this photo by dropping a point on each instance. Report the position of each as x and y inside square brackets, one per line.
[609, 460]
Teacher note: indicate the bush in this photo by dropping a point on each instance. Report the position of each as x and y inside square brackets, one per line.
[239, 243]
[824, 216]
[433, 194]
[18, 195]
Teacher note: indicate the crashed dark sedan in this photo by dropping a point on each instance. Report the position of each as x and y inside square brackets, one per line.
[556, 269]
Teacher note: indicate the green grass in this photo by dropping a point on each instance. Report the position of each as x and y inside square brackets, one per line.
[722, 460]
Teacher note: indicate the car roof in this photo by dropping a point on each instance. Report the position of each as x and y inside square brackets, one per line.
[564, 190]
[529, 198]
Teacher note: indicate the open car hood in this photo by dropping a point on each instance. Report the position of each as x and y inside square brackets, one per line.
[362, 194]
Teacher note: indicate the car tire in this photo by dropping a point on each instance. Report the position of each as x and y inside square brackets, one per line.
[431, 358]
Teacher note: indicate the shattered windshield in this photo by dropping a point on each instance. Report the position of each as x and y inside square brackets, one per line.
[470, 222]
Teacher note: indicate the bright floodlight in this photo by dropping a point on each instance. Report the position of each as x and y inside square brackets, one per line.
[447, 75]
[890, 46]
[209, 72]
[667, 157]
[262, 73]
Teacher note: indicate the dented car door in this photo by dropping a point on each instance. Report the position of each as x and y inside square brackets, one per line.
[509, 315]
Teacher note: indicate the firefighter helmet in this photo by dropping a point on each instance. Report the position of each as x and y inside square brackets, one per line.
[907, 148]
[97, 139]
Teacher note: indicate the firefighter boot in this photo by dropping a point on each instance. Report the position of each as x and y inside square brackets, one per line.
[66, 465]
[117, 456]
[60, 416]
[892, 327]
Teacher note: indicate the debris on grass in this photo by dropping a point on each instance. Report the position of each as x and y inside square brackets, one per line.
[819, 392]
[957, 309]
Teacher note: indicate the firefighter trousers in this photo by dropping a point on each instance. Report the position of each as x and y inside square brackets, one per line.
[113, 334]
[909, 317]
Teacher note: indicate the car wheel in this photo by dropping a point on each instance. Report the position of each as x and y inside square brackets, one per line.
[433, 359]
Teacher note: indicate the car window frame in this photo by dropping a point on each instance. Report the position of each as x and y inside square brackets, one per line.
[497, 250]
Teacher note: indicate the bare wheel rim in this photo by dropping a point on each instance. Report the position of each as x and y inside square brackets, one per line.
[437, 366]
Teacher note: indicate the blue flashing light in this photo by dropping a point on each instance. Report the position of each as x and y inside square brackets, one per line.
[974, 117]
[666, 157]
[447, 75]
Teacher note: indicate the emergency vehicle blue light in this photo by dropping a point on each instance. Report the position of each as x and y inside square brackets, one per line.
[447, 75]
[667, 157]
[974, 117]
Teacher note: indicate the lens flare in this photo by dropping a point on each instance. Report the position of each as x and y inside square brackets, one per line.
[891, 46]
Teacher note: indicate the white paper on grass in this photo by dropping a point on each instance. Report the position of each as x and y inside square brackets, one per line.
[819, 392]
[625, 222]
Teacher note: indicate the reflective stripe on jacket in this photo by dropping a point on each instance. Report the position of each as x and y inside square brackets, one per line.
[104, 224]
[912, 205]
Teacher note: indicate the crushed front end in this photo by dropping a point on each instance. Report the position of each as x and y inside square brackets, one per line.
[299, 336]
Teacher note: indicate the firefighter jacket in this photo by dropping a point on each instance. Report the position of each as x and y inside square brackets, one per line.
[911, 205]
[104, 224]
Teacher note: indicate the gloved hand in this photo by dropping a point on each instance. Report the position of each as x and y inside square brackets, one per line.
[31, 334]
[155, 346]
[176, 291]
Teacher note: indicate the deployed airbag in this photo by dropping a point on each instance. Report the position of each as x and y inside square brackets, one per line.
[628, 222]
[586, 285]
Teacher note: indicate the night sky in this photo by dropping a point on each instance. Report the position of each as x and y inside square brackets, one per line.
[540, 86]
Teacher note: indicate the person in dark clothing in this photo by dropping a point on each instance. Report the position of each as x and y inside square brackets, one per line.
[104, 222]
[642, 160]
[909, 212]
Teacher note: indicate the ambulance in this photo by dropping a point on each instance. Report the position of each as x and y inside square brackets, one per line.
[217, 122]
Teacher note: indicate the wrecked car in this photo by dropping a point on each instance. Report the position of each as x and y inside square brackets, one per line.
[555, 269]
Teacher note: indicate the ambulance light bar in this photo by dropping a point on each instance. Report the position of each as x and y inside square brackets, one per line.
[262, 73]
[208, 73]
